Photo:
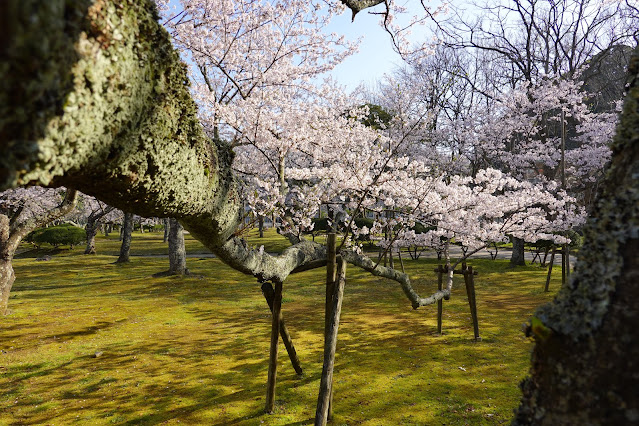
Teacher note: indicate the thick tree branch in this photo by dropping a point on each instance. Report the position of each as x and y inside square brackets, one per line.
[357, 6]
[368, 265]
[116, 120]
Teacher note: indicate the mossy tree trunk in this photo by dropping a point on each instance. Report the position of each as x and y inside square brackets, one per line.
[12, 231]
[585, 364]
[7, 276]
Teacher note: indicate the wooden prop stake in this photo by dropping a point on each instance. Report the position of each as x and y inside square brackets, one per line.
[272, 365]
[440, 302]
[401, 261]
[330, 343]
[552, 262]
[331, 259]
[331, 262]
[469, 275]
[269, 295]
[563, 265]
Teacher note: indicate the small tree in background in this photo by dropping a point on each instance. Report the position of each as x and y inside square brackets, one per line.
[23, 210]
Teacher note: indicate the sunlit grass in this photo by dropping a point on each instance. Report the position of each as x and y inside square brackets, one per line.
[195, 349]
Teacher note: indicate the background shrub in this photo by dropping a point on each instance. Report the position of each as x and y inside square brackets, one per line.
[58, 235]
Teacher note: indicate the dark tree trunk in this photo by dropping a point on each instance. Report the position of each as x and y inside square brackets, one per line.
[127, 229]
[325, 396]
[585, 364]
[517, 257]
[260, 225]
[177, 251]
[166, 229]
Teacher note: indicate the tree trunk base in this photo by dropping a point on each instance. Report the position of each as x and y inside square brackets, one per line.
[171, 273]
[594, 380]
[7, 278]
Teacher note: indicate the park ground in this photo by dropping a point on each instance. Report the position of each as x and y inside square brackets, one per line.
[88, 341]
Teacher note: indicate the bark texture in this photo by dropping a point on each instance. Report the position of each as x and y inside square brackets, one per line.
[325, 394]
[7, 276]
[357, 6]
[585, 364]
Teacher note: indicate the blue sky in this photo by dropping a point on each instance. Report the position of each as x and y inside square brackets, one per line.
[375, 56]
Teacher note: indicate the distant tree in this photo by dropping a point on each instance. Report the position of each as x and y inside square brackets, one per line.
[23, 210]
[97, 212]
[605, 77]
[177, 250]
[126, 232]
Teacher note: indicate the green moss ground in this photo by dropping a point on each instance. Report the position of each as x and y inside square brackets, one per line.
[194, 350]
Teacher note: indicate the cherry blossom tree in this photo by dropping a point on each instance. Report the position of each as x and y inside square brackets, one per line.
[139, 146]
[96, 212]
[517, 131]
[246, 51]
[23, 210]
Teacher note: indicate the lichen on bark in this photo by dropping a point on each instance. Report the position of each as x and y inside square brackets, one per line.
[585, 368]
[581, 306]
[124, 127]
[119, 113]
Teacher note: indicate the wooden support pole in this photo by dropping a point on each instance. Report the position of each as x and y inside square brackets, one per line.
[331, 261]
[469, 278]
[563, 265]
[567, 262]
[545, 257]
[552, 262]
[269, 295]
[401, 261]
[275, 331]
[330, 343]
[440, 302]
